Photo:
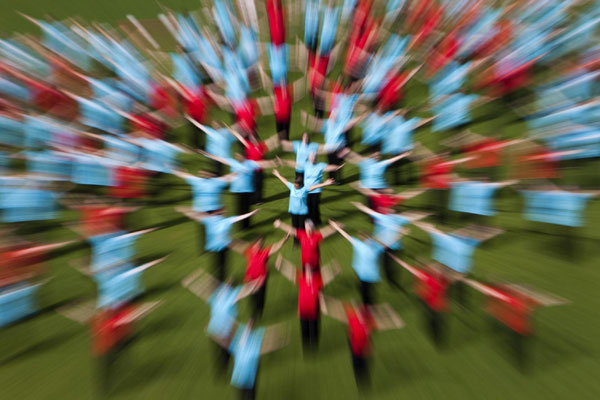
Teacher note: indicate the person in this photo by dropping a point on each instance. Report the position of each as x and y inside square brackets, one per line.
[313, 175]
[388, 231]
[206, 195]
[361, 320]
[431, 286]
[298, 207]
[257, 256]
[218, 143]
[309, 288]
[372, 168]
[309, 239]
[243, 184]
[365, 261]
[217, 228]
[222, 297]
[246, 346]
[302, 149]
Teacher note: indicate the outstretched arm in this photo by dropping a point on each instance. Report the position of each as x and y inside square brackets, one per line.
[218, 159]
[333, 308]
[244, 216]
[281, 178]
[286, 268]
[398, 157]
[365, 209]
[286, 145]
[239, 137]
[385, 317]
[239, 246]
[342, 232]
[201, 284]
[284, 227]
[272, 142]
[279, 244]
[329, 272]
[276, 337]
[328, 182]
[353, 157]
[333, 167]
[250, 288]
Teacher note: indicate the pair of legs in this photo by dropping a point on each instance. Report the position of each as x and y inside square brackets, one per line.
[298, 223]
[258, 186]
[258, 300]
[334, 159]
[360, 366]
[283, 129]
[366, 292]
[314, 213]
[244, 203]
[310, 333]
[392, 274]
[220, 264]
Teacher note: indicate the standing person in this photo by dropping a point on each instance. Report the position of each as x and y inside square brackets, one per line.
[218, 239]
[309, 239]
[309, 288]
[365, 261]
[246, 346]
[222, 297]
[257, 257]
[302, 149]
[243, 184]
[361, 321]
[372, 169]
[218, 143]
[298, 207]
[388, 231]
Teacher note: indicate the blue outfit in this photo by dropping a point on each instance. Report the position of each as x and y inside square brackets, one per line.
[17, 302]
[245, 348]
[48, 163]
[223, 311]
[472, 197]
[111, 249]
[158, 155]
[555, 207]
[21, 204]
[222, 16]
[217, 229]
[218, 142]
[365, 259]
[11, 132]
[311, 23]
[184, 73]
[303, 150]
[331, 18]
[93, 170]
[207, 193]
[371, 173]
[313, 175]
[374, 128]
[452, 112]
[298, 197]
[454, 251]
[399, 139]
[119, 288]
[387, 228]
[247, 50]
[278, 56]
[244, 179]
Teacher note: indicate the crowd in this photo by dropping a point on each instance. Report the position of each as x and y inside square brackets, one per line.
[88, 122]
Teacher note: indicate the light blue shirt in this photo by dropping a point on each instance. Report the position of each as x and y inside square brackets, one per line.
[372, 173]
[365, 259]
[244, 179]
[556, 207]
[303, 150]
[399, 139]
[313, 175]
[218, 230]
[218, 142]
[278, 63]
[117, 289]
[17, 302]
[245, 348]
[472, 197]
[454, 251]
[223, 311]
[387, 229]
[298, 197]
[207, 193]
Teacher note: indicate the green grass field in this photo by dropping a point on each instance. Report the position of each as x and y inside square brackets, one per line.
[48, 357]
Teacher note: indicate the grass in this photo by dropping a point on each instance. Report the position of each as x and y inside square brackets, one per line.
[47, 357]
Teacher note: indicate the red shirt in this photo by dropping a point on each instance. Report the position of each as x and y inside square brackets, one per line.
[160, 99]
[486, 152]
[309, 246]
[283, 104]
[382, 202]
[276, 21]
[149, 124]
[98, 219]
[16, 265]
[131, 183]
[308, 296]
[108, 329]
[514, 310]
[256, 261]
[195, 103]
[256, 151]
[391, 92]
[432, 290]
[244, 115]
[359, 332]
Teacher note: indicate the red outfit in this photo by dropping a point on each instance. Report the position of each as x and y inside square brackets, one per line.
[283, 104]
[245, 116]
[432, 290]
[131, 183]
[195, 103]
[149, 124]
[308, 296]
[256, 151]
[276, 21]
[391, 92]
[486, 153]
[359, 331]
[256, 261]
[16, 264]
[109, 329]
[381, 203]
[98, 219]
[513, 309]
[310, 248]
[437, 175]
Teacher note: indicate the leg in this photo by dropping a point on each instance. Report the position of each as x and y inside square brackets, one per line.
[366, 292]
[390, 271]
[305, 331]
[259, 301]
[221, 264]
[244, 200]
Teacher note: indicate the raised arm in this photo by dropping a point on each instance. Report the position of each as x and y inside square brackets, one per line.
[272, 142]
[333, 167]
[239, 137]
[239, 246]
[342, 232]
[398, 157]
[250, 288]
[277, 246]
[218, 159]
[201, 284]
[288, 146]
[353, 157]
[329, 272]
[285, 227]
[281, 178]
[328, 182]
[244, 216]
[286, 268]
[364, 209]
